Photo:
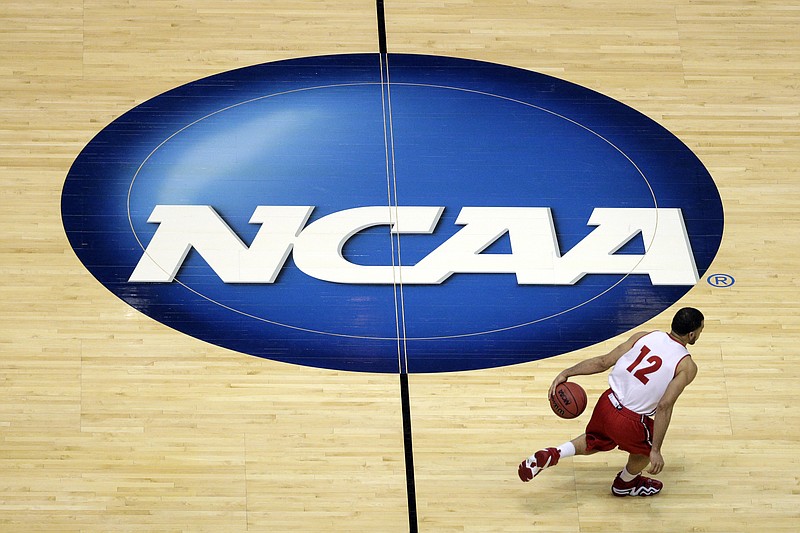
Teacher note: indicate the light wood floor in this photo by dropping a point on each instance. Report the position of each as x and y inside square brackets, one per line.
[110, 421]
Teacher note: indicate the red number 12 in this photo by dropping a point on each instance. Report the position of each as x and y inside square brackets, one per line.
[641, 374]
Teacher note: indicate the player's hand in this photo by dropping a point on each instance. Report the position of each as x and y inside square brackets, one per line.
[656, 462]
[559, 379]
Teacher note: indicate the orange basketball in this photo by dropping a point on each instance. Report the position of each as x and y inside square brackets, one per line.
[569, 400]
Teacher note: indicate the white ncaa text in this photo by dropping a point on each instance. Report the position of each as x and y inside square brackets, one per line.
[535, 257]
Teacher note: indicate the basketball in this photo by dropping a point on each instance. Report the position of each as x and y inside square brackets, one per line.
[569, 400]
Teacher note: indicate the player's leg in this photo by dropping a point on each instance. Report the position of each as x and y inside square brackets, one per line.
[592, 441]
[581, 446]
[637, 463]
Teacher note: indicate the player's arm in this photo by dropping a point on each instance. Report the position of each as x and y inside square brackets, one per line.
[595, 365]
[684, 374]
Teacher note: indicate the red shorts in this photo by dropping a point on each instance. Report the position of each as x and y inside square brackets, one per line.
[612, 427]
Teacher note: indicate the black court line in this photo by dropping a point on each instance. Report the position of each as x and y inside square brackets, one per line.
[409, 454]
[381, 27]
[408, 447]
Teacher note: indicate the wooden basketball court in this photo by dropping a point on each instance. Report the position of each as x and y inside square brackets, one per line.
[110, 421]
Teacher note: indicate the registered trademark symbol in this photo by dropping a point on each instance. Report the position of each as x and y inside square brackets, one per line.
[720, 280]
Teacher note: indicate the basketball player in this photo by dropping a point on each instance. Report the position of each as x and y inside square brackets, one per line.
[650, 371]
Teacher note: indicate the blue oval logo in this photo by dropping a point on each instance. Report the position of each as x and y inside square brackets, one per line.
[459, 215]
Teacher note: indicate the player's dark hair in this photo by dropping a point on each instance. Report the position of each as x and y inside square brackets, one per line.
[687, 320]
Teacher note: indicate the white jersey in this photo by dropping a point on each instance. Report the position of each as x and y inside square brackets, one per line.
[640, 377]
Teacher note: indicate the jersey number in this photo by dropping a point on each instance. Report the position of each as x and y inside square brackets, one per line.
[641, 374]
